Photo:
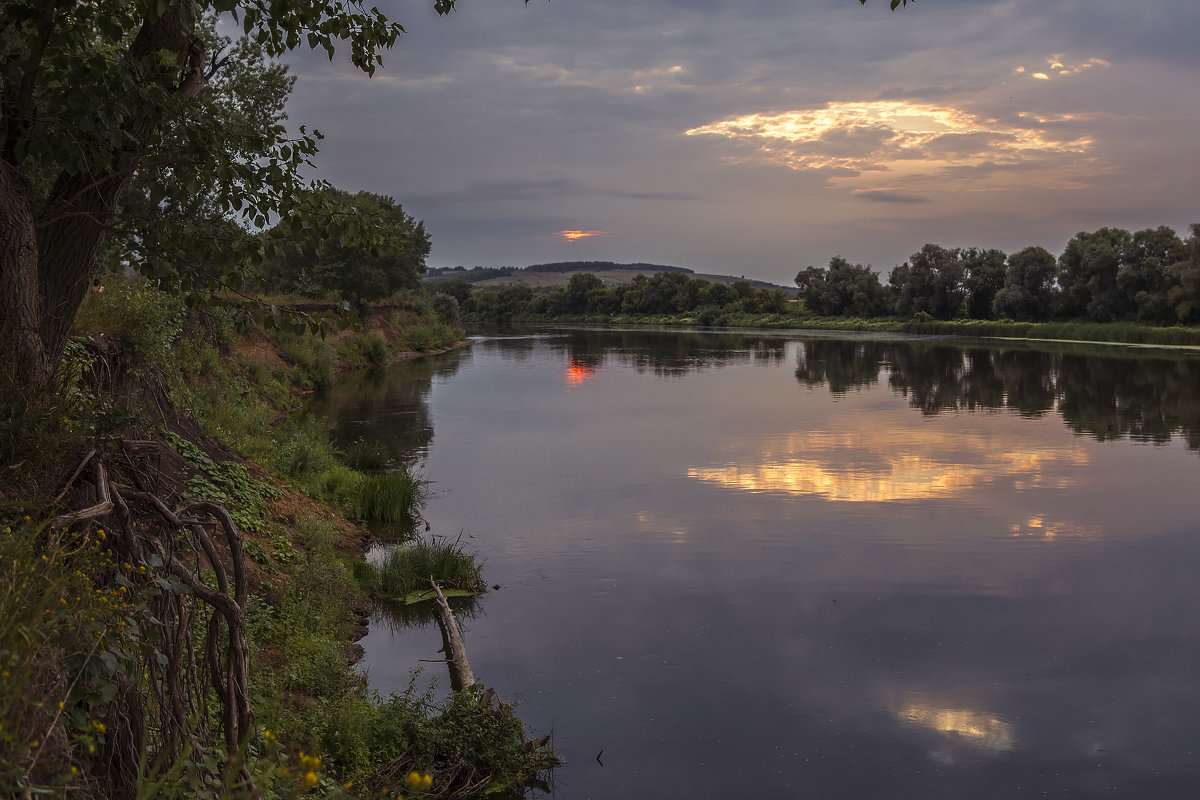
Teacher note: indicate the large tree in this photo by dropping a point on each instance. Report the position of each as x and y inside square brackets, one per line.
[311, 263]
[97, 96]
[932, 281]
[1028, 292]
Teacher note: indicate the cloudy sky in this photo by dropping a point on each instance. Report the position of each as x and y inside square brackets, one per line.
[760, 137]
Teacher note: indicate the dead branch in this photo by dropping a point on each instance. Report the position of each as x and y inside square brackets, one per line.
[74, 476]
[100, 509]
[460, 667]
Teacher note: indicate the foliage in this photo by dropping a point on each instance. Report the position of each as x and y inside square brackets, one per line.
[468, 745]
[364, 350]
[312, 263]
[137, 118]
[228, 483]
[844, 290]
[1028, 291]
[311, 355]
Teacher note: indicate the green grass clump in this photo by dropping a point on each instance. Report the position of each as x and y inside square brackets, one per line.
[405, 571]
[390, 497]
[364, 350]
[369, 456]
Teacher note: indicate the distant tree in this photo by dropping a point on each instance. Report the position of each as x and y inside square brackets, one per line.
[719, 295]
[1028, 291]
[511, 301]
[931, 281]
[808, 278]
[771, 301]
[575, 299]
[689, 296]
[1184, 294]
[1143, 277]
[985, 273]
[1087, 273]
[844, 289]
[458, 288]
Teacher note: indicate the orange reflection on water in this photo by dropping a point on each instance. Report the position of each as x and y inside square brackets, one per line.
[579, 374]
[982, 729]
[889, 464]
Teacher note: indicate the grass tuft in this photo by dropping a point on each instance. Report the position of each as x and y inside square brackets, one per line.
[405, 571]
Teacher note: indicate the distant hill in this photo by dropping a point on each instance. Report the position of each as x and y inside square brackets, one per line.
[604, 266]
[558, 273]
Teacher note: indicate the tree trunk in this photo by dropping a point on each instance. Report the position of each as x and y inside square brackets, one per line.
[461, 676]
[21, 346]
[69, 247]
[46, 261]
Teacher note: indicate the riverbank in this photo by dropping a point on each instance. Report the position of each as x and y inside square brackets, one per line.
[1076, 332]
[123, 677]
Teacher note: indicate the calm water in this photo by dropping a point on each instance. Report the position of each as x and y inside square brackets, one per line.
[814, 566]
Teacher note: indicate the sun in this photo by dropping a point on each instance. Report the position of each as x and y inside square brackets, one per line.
[571, 236]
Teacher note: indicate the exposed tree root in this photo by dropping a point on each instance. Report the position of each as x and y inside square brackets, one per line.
[179, 541]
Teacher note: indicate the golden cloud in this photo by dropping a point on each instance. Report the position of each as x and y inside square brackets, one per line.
[850, 140]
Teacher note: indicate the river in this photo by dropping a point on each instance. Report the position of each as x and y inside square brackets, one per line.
[837, 566]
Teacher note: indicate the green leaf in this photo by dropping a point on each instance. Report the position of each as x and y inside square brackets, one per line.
[429, 594]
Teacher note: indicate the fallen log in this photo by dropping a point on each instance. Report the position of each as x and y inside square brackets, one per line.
[460, 668]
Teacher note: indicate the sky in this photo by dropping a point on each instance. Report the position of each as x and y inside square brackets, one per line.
[758, 138]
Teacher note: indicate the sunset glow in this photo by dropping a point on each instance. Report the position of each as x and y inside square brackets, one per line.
[571, 236]
[579, 374]
[865, 142]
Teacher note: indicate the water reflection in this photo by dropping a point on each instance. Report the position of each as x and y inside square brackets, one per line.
[984, 730]
[393, 416]
[886, 460]
[1106, 394]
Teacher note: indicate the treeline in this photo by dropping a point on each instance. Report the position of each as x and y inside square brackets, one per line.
[663, 293]
[1151, 276]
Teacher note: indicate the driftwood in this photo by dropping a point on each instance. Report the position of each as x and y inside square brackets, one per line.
[460, 668]
[100, 509]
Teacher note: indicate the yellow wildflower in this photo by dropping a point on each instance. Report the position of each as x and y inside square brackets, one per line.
[413, 779]
[310, 779]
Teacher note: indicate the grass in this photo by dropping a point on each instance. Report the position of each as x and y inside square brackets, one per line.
[405, 571]
[389, 497]
[1114, 332]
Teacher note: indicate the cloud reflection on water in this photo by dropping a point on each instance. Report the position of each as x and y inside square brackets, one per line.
[889, 461]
